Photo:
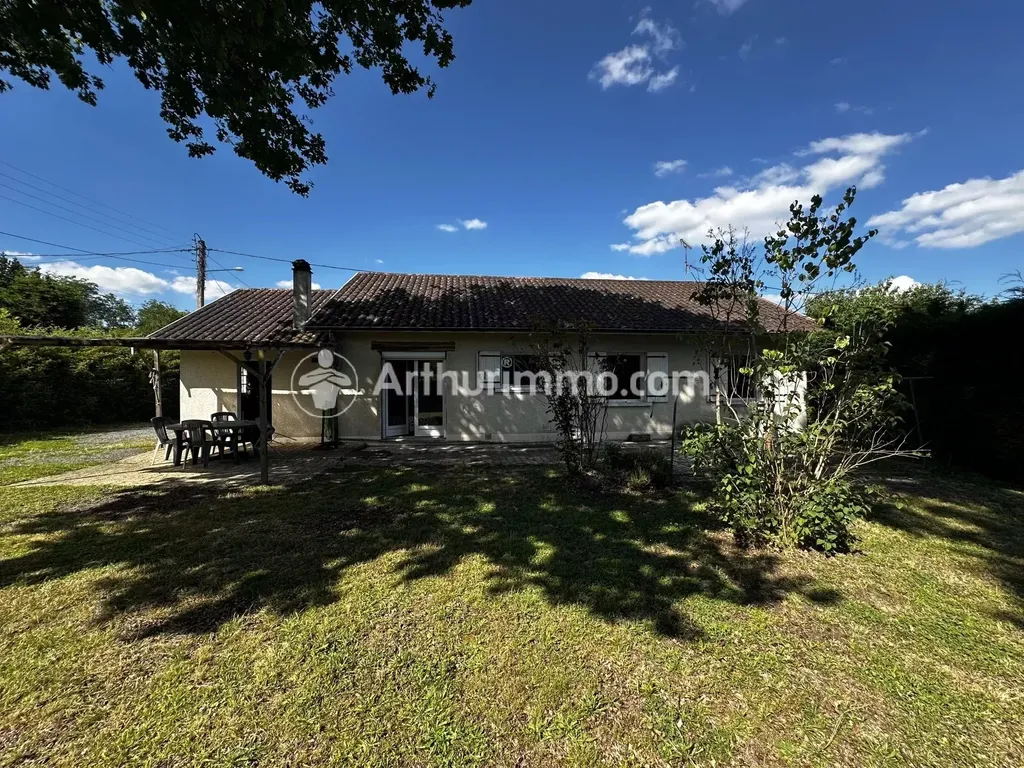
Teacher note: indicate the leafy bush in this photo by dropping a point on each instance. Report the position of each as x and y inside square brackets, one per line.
[768, 495]
[638, 479]
[780, 460]
[577, 412]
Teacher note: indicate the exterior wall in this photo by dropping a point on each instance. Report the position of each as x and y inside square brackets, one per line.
[209, 383]
[504, 417]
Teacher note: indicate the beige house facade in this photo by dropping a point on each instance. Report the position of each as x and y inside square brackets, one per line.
[438, 357]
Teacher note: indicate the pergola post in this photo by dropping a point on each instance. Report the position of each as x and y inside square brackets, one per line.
[154, 377]
[264, 443]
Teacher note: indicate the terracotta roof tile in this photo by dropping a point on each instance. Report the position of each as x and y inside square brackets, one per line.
[386, 301]
[460, 302]
[257, 316]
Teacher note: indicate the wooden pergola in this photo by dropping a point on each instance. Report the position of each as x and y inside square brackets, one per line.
[260, 350]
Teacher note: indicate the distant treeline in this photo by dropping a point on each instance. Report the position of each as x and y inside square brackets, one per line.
[47, 387]
[960, 360]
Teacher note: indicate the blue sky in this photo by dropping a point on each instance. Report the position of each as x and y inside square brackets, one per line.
[588, 137]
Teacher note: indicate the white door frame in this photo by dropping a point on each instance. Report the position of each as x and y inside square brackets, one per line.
[402, 429]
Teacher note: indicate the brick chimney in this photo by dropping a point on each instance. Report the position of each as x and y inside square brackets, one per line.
[302, 292]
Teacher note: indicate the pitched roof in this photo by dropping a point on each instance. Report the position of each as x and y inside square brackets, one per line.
[380, 300]
[386, 301]
[253, 317]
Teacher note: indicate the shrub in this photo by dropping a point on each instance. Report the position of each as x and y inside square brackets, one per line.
[780, 464]
[768, 501]
[642, 469]
[638, 478]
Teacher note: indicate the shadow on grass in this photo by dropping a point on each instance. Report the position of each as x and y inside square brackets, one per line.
[979, 517]
[191, 558]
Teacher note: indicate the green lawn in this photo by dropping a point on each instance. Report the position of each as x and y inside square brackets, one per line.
[26, 457]
[500, 617]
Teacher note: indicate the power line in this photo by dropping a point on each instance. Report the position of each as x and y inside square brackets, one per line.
[221, 266]
[82, 215]
[97, 254]
[108, 256]
[72, 221]
[84, 197]
[283, 261]
[147, 231]
[89, 253]
[44, 242]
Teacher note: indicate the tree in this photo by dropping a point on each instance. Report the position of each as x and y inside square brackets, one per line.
[574, 406]
[154, 315]
[41, 300]
[782, 468]
[241, 65]
[910, 320]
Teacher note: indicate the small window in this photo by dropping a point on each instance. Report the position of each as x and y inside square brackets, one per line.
[629, 374]
[521, 373]
[739, 385]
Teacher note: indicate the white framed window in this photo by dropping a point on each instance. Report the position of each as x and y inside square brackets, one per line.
[732, 374]
[488, 371]
[504, 372]
[640, 377]
[629, 374]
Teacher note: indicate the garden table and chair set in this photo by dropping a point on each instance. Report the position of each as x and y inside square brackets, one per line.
[200, 439]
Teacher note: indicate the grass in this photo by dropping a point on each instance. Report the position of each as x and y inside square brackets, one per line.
[501, 617]
[27, 457]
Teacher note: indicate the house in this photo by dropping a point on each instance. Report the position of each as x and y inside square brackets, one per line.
[383, 331]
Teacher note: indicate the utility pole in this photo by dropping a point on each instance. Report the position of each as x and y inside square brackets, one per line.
[200, 246]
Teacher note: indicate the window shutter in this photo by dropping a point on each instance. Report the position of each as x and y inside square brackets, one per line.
[488, 370]
[657, 391]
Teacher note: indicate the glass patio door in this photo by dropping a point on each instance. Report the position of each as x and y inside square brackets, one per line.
[398, 405]
[428, 399]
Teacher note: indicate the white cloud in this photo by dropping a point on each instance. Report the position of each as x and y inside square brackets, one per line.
[473, 223]
[22, 257]
[757, 204]
[664, 38]
[845, 106]
[747, 47]
[127, 280]
[665, 167]
[130, 281]
[857, 144]
[902, 283]
[728, 6]
[634, 64]
[837, 61]
[447, 227]
[620, 246]
[781, 40]
[214, 288]
[630, 66]
[961, 215]
[717, 173]
[378, 261]
[608, 276]
[287, 284]
[664, 80]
